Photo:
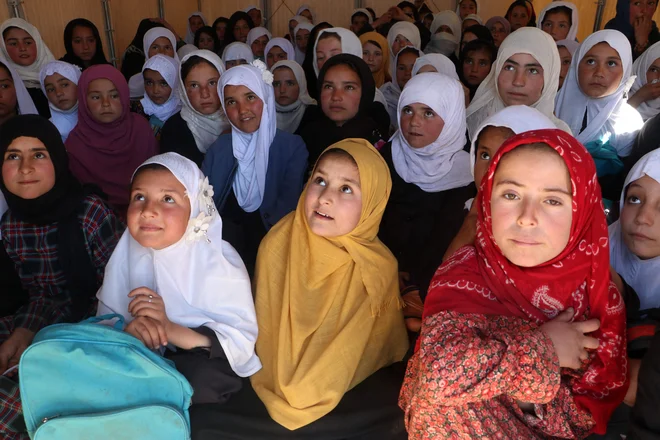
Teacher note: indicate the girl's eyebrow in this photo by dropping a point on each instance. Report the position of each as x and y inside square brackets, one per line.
[520, 185]
[16, 150]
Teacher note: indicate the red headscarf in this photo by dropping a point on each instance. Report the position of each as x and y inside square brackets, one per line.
[108, 154]
[485, 282]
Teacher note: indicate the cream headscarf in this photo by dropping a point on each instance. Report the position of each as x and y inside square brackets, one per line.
[168, 68]
[237, 51]
[289, 116]
[136, 82]
[300, 55]
[29, 74]
[572, 33]
[350, 43]
[391, 90]
[444, 42]
[439, 62]
[641, 66]
[328, 309]
[190, 35]
[65, 121]
[407, 30]
[542, 47]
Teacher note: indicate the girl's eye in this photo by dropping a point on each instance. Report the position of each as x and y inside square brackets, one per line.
[276, 83]
[612, 64]
[40, 155]
[11, 156]
[230, 102]
[350, 88]
[407, 110]
[250, 98]
[591, 61]
[553, 202]
[213, 82]
[319, 181]
[138, 197]
[115, 96]
[164, 84]
[567, 62]
[168, 199]
[346, 189]
[290, 83]
[65, 85]
[484, 156]
[429, 114]
[510, 196]
[149, 83]
[534, 71]
[633, 200]
[50, 90]
[509, 67]
[327, 86]
[193, 86]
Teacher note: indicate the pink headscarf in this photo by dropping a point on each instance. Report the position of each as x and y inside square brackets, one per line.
[108, 154]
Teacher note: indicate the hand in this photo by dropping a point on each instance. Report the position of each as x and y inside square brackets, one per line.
[148, 303]
[645, 93]
[397, 14]
[642, 26]
[570, 340]
[12, 349]
[385, 18]
[466, 92]
[633, 374]
[149, 331]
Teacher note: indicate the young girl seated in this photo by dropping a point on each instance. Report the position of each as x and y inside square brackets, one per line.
[403, 34]
[237, 53]
[567, 49]
[523, 333]
[201, 119]
[334, 41]
[257, 171]
[196, 21]
[25, 51]
[109, 141]
[178, 284]
[291, 97]
[301, 33]
[593, 100]
[645, 91]
[476, 61]
[466, 8]
[83, 44]
[14, 97]
[59, 235]
[401, 74]
[59, 82]
[476, 32]
[206, 38]
[161, 85]
[376, 53]
[279, 49]
[526, 73]
[445, 35]
[473, 20]
[499, 28]
[521, 14]
[560, 20]
[156, 41]
[257, 39]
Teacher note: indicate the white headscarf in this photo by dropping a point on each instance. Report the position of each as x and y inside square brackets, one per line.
[190, 35]
[458, 7]
[299, 19]
[542, 47]
[350, 43]
[283, 44]
[441, 63]
[201, 278]
[237, 51]
[136, 82]
[185, 50]
[363, 11]
[289, 116]
[441, 165]
[169, 70]
[300, 55]
[23, 99]
[303, 8]
[257, 32]
[28, 74]
[392, 91]
[570, 45]
[607, 118]
[205, 128]
[407, 30]
[444, 42]
[474, 17]
[572, 33]
[642, 275]
[641, 66]
[65, 121]
[251, 7]
[251, 150]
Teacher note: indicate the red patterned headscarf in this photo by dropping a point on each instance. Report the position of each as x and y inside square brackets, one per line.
[481, 280]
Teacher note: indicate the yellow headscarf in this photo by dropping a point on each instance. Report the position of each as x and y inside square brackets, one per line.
[328, 309]
[382, 75]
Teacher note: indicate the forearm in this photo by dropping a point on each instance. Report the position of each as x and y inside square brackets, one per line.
[186, 338]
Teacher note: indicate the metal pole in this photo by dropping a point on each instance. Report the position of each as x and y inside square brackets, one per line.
[599, 14]
[265, 13]
[109, 31]
[358, 4]
[161, 9]
[199, 5]
[16, 8]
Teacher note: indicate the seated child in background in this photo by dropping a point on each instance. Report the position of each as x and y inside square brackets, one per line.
[59, 81]
[161, 87]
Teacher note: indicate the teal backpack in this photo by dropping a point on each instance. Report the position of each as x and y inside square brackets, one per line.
[90, 381]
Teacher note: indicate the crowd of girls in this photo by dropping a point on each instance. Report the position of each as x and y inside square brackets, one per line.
[422, 225]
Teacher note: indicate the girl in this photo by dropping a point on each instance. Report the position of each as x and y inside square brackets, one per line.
[560, 20]
[238, 28]
[156, 41]
[201, 119]
[334, 41]
[237, 53]
[293, 23]
[301, 34]
[255, 15]
[376, 53]
[134, 56]
[499, 28]
[206, 38]
[308, 65]
[257, 171]
[83, 44]
[59, 82]
[220, 27]
[196, 21]
[521, 14]
[505, 322]
[566, 50]
[109, 141]
[183, 287]
[634, 18]
[445, 35]
[161, 99]
[14, 97]
[477, 58]
[58, 234]
[257, 39]
[593, 99]
[403, 66]
[467, 7]
[291, 97]
[471, 20]
[307, 12]
[25, 51]
[645, 91]
[526, 73]
[434, 63]
[347, 107]
[403, 34]
[359, 19]
[279, 49]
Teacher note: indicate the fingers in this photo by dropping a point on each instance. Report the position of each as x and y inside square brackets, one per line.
[590, 343]
[142, 291]
[143, 299]
[142, 307]
[587, 326]
[565, 316]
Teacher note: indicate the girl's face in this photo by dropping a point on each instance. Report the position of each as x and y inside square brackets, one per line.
[259, 45]
[234, 63]
[531, 206]
[373, 56]
[521, 80]
[275, 54]
[476, 67]
[557, 24]
[241, 31]
[498, 31]
[358, 22]
[399, 43]
[159, 209]
[308, 15]
[427, 68]
[27, 170]
[653, 72]
[255, 15]
[467, 37]
[566, 59]
[21, 47]
[220, 30]
[156, 87]
[333, 201]
[286, 86]
[243, 108]
[467, 7]
[83, 43]
[61, 92]
[163, 46]
[420, 125]
[468, 23]
[292, 26]
[8, 100]
[641, 209]
[302, 38]
[196, 23]
[103, 101]
[519, 18]
[206, 42]
[489, 141]
[202, 88]
[341, 92]
[404, 66]
[326, 49]
[600, 71]
[641, 8]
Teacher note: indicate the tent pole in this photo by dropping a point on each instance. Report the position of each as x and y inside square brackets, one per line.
[16, 8]
[109, 31]
[161, 9]
[599, 15]
[265, 13]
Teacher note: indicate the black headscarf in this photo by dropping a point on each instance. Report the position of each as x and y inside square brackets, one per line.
[406, 4]
[60, 205]
[211, 32]
[235, 18]
[481, 32]
[308, 64]
[215, 24]
[70, 57]
[145, 26]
